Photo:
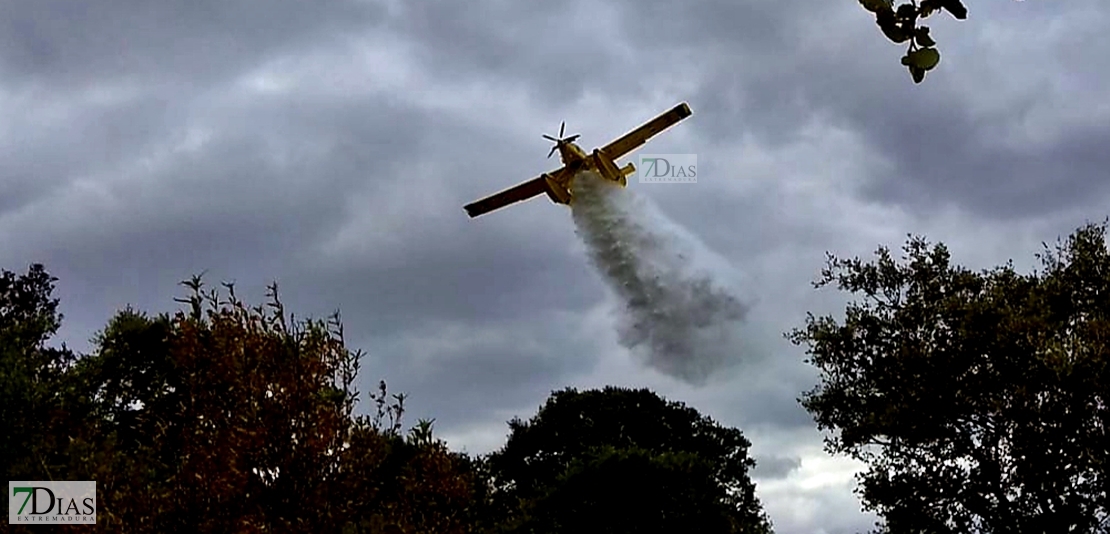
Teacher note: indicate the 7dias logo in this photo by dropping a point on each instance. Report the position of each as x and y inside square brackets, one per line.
[39, 502]
[668, 168]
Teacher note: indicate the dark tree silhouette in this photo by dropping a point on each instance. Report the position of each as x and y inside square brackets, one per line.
[978, 400]
[624, 460]
[219, 418]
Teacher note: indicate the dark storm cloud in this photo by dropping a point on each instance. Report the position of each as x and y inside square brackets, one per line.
[561, 49]
[468, 279]
[951, 157]
[234, 208]
[736, 45]
[40, 151]
[283, 173]
[479, 371]
[773, 402]
[51, 43]
[247, 204]
[942, 147]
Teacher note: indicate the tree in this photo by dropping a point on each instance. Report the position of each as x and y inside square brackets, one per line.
[622, 460]
[901, 25]
[637, 490]
[232, 417]
[33, 388]
[978, 401]
[219, 418]
[407, 484]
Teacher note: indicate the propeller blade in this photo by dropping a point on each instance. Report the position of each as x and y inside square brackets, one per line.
[562, 129]
[549, 138]
[549, 154]
[571, 138]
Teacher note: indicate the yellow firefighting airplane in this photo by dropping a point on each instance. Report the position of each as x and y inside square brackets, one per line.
[557, 183]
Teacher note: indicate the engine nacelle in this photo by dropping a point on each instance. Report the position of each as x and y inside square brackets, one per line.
[558, 193]
[607, 168]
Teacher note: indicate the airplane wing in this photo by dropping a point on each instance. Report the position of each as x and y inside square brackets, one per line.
[511, 195]
[636, 138]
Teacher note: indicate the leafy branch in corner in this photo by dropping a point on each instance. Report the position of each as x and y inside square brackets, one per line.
[901, 25]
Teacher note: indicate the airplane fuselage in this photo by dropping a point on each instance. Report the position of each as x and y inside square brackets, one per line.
[571, 153]
[575, 160]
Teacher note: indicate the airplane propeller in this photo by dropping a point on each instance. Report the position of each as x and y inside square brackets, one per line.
[561, 140]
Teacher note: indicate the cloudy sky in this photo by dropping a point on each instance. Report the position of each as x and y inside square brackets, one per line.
[331, 145]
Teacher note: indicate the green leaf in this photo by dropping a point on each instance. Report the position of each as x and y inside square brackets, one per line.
[956, 8]
[923, 58]
[906, 12]
[890, 28]
[876, 6]
[918, 73]
[921, 35]
[895, 34]
[908, 28]
[928, 7]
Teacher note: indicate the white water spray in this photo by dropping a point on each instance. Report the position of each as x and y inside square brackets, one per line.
[679, 314]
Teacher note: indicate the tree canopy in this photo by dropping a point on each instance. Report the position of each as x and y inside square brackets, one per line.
[34, 390]
[224, 417]
[978, 400]
[625, 460]
[218, 418]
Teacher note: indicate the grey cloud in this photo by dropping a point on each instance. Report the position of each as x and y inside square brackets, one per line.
[951, 157]
[40, 152]
[244, 206]
[746, 26]
[774, 405]
[237, 184]
[771, 467]
[514, 358]
[465, 279]
[558, 49]
[53, 42]
[747, 49]
[942, 150]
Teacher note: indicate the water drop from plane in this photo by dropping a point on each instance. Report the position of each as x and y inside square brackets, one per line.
[681, 312]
